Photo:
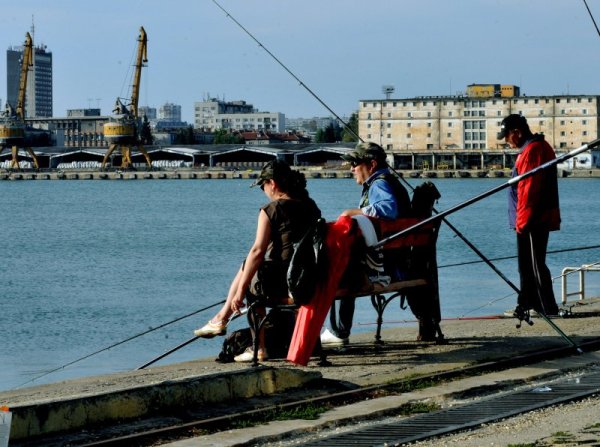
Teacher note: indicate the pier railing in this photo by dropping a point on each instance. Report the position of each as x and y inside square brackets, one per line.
[567, 271]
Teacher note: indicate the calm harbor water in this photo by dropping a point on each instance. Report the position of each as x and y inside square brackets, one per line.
[86, 264]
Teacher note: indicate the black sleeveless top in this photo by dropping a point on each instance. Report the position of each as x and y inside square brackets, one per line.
[290, 219]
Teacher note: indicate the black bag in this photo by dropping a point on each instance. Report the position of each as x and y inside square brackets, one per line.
[307, 263]
[278, 335]
[424, 197]
[235, 344]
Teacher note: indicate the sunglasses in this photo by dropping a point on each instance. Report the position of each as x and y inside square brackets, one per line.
[262, 187]
[356, 163]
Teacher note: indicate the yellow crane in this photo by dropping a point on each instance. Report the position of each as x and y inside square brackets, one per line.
[123, 130]
[12, 120]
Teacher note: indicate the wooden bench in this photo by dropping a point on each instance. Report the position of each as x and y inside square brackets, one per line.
[420, 247]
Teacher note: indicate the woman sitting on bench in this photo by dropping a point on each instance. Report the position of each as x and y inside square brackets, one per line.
[281, 223]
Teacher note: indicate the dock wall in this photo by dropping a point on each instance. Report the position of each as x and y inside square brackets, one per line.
[85, 411]
[191, 174]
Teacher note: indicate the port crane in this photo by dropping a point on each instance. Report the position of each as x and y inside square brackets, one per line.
[123, 130]
[13, 131]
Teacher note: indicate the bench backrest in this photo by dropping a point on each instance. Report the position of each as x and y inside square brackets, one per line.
[423, 236]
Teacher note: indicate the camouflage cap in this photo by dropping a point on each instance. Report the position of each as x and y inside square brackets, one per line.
[366, 151]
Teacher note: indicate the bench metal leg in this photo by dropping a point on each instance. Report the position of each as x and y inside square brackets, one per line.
[380, 302]
[256, 323]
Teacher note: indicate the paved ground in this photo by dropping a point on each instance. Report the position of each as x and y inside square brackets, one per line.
[469, 342]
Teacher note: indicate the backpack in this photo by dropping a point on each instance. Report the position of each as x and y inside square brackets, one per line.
[278, 335]
[235, 344]
[424, 196]
[307, 263]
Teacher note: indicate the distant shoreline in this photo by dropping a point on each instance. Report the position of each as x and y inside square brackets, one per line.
[206, 174]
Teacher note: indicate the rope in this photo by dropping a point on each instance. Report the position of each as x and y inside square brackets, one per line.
[119, 343]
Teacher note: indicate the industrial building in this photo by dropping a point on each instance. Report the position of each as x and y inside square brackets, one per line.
[439, 123]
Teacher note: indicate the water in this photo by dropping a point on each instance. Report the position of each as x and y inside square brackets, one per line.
[87, 264]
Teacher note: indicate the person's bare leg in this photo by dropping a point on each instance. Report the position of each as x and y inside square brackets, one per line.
[217, 325]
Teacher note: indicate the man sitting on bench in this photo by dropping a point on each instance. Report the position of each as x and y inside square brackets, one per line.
[382, 196]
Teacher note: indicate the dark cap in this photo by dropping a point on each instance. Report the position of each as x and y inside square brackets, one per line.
[512, 122]
[273, 169]
[366, 151]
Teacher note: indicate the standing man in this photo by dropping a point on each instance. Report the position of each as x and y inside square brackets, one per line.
[533, 211]
[382, 196]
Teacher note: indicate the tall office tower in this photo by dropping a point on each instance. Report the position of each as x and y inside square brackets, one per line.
[38, 102]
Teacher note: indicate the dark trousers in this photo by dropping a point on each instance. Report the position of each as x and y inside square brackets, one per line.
[536, 282]
[342, 323]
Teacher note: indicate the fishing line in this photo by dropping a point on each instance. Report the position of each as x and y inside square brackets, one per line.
[466, 241]
[128, 76]
[591, 16]
[489, 303]
[119, 343]
[302, 84]
[504, 258]
[439, 215]
[458, 233]
[576, 270]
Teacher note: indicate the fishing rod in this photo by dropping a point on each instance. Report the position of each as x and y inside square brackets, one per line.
[468, 242]
[187, 342]
[437, 216]
[302, 84]
[119, 343]
[488, 193]
[458, 233]
[591, 16]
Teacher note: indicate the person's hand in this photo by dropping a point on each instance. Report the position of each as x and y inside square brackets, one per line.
[237, 304]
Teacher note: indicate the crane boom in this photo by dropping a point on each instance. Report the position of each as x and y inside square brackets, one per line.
[123, 131]
[142, 57]
[25, 64]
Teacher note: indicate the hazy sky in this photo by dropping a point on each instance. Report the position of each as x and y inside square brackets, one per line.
[343, 50]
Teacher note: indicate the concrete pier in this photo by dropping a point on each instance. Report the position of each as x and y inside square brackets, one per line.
[193, 174]
[204, 385]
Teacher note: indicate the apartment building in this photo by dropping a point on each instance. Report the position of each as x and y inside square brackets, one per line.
[213, 114]
[469, 122]
[169, 112]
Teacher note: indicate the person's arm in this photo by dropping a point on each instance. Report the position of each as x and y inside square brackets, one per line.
[382, 202]
[253, 260]
[351, 212]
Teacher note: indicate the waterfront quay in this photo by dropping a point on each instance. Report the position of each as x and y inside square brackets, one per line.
[229, 161]
[221, 174]
[81, 411]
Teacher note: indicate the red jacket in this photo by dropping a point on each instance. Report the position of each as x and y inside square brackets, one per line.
[535, 202]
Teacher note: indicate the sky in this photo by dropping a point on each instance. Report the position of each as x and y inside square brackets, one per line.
[343, 51]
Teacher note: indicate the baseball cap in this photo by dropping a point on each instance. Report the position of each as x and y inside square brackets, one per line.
[272, 169]
[511, 122]
[365, 151]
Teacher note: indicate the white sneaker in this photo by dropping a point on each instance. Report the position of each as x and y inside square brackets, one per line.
[329, 339]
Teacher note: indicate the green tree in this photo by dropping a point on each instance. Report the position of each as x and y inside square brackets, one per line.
[320, 136]
[146, 136]
[185, 136]
[347, 135]
[222, 136]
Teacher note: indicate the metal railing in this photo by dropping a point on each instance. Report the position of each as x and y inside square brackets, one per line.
[567, 271]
